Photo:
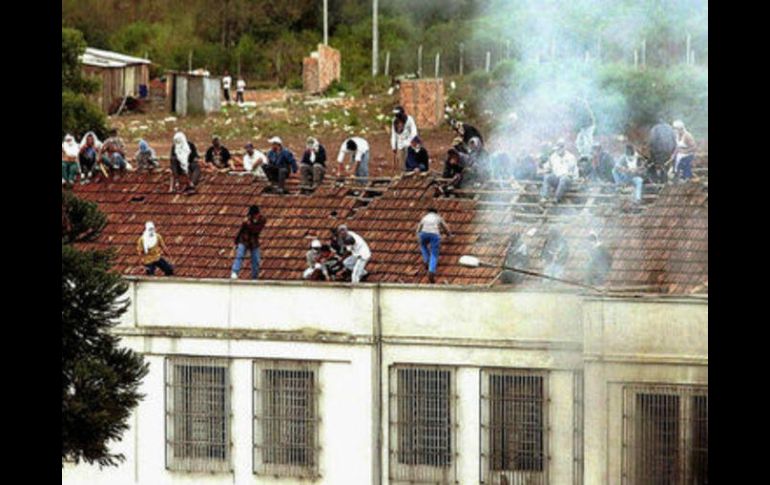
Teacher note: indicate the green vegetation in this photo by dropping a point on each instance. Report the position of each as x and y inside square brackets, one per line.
[78, 114]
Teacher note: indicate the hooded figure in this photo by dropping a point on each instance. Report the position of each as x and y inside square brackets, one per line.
[184, 161]
[88, 155]
[151, 247]
[145, 157]
[69, 160]
[182, 150]
[149, 237]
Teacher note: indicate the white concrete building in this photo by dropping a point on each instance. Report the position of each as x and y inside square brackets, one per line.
[283, 383]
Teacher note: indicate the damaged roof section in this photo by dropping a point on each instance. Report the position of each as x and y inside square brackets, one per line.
[660, 248]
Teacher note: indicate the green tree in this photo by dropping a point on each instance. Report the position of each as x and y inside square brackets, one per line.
[100, 380]
[78, 113]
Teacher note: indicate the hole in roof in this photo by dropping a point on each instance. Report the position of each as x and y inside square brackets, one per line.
[137, 198]
[333, 214]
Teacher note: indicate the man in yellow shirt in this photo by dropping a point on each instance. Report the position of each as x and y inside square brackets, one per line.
[150, 247]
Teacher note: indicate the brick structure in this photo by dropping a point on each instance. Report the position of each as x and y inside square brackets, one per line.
[320, 69]
[424, 100]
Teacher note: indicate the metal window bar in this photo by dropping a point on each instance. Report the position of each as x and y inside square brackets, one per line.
[514, 427]
[665, 435]
[577, 444]
[286, 418]
[198, 414]
[422, 424]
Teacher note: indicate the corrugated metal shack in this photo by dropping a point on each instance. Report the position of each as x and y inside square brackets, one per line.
[120, 75]
[188, 93]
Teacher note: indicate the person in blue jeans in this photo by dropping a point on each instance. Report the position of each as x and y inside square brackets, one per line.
[628, 171]
[429, 235]
[358, 149]
[247, 239]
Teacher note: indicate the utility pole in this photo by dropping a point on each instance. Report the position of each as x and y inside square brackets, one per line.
[387, 63]
[438, 63]
[326, 22]
[462, 54]
[189, 62]
[375, 44]
[419, 61]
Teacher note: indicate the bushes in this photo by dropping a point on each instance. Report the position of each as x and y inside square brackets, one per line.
[79, 115]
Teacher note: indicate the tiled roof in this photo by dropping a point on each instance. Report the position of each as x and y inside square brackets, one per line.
[662, 247]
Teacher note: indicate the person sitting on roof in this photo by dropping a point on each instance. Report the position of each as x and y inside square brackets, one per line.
[253, 160]
[403, 129]
[524, 167]
[598, 167]
[628, 171]
[429, 231]
[280, 162]
[145, 157]
[555, 254]
[151, 247]
[312, 167]
[218, 156]
[417, 158]
[315, 270]
[88, 156]
[247, 239]
[113, 153]
[358, 148]
[599, 263]
[184, 161]
[560, 171]
[358, 253]
[685, 151]
[454, 170]
[500, 166]
[69, 160]
[466, 131]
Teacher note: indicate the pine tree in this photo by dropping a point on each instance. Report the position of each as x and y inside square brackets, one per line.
[100, 379]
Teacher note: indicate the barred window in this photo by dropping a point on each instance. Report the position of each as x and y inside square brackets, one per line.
[286, 419]
[665, 434]
[197, 414]
[422, 424]
[514, 426]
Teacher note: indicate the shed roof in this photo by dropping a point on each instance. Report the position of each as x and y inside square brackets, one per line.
[102, 58]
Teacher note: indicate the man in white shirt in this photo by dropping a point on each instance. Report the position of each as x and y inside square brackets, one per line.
[358, 148]
[253, 160]
[240, 87]
[561, 169]
[402, 131]
[359, 253]
[227, 82]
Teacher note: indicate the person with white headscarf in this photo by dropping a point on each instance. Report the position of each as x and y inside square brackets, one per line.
[69, 160]
[312, 168]
[685, 151]
[151, 247]
[184, 161]
[88, 155]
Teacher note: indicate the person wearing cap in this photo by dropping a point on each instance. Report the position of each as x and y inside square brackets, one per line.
[358, 148]
[280, 162]
[151, 247]
[247, 239]
[628, 171]
[429, 231]
[560, 171]
[598, 167]
[312, 167]
[403, 130]
[253, 161]
[218, 156]
[358, 253]
[685, 151]
[417, 158]
[315, 268]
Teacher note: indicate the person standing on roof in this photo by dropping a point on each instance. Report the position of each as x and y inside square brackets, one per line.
[628, 171]
[359, 253]
[227, 82]
[247, 239]
[113, 153]
[151, 247]
[280, 162]
[218, 156]
[69, 160]
[184, 161]
[429, 231]
[402, 131]
[685, 151]
[240, 88]
[560, 171]
[358, 148]
[417, 158]
[145, 157]
[253, 160]
[88, 156]
[313, 165]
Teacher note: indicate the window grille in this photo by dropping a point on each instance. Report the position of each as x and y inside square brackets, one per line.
[665, 435]
[577, 426]
[198, 414]
[286, 418]
[422, 424]
[514, 428]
